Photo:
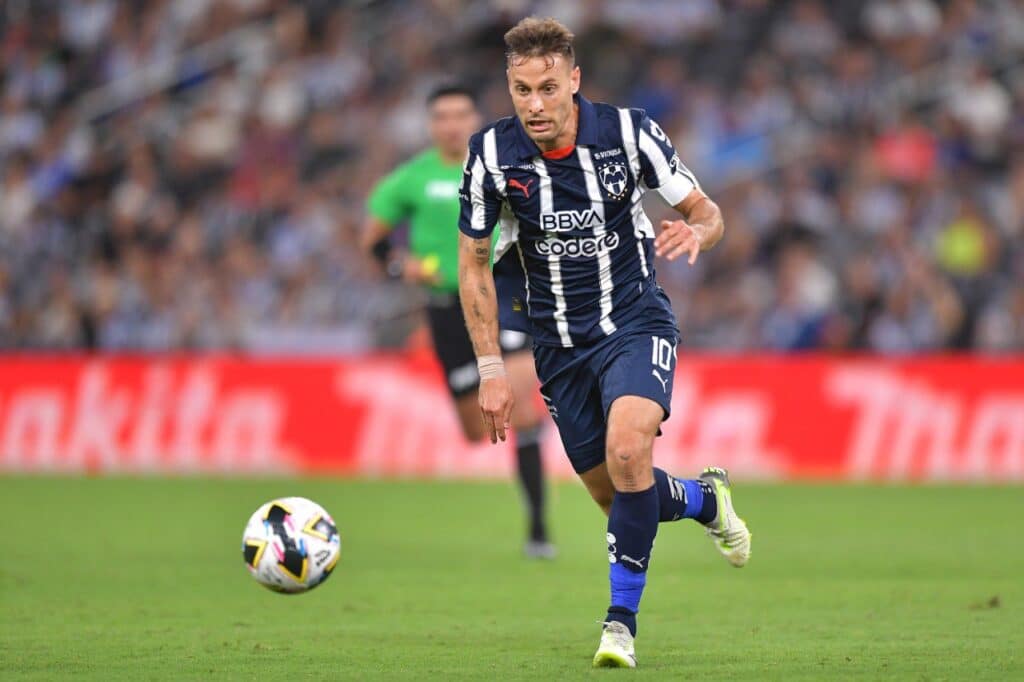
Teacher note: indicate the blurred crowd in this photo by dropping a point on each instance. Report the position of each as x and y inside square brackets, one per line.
[192, 174]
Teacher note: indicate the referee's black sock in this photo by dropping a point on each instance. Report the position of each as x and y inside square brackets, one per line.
[531, 477]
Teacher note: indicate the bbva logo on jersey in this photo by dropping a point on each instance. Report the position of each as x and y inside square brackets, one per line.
[566, 221]
[614, 179]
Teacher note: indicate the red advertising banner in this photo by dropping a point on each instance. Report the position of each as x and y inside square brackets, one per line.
[926, 418]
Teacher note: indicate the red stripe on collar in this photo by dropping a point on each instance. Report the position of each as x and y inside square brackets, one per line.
[560, 153]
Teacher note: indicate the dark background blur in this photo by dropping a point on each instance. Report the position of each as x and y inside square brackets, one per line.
[191, 174]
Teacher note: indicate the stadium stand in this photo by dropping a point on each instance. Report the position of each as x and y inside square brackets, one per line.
[190, 174]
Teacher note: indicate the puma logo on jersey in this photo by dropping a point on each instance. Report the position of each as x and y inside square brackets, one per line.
[664, 382]
[518, 185]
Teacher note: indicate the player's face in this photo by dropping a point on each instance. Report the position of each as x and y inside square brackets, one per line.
[453, 118]
[542, 90]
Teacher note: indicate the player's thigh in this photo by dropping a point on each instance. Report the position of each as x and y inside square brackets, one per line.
[637, 371]
[573, 398]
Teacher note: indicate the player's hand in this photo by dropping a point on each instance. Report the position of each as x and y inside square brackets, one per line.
[676, 238]
[420, 271]
[496, 407]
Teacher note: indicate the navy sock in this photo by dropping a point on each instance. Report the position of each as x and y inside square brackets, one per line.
[632, 525]
[681, 498]
[624, 616]
[531, 477]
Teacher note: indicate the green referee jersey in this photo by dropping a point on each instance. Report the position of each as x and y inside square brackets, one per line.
[425, 191]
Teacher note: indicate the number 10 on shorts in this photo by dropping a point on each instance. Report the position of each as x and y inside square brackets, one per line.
[663, 353]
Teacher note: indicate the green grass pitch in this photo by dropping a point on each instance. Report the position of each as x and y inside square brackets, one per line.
[143, 579]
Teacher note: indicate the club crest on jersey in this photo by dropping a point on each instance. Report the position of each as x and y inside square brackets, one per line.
[614, 179]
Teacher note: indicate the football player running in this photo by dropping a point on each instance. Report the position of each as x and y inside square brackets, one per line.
[574, 266]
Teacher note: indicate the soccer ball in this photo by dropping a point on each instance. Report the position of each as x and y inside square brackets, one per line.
[291, 545]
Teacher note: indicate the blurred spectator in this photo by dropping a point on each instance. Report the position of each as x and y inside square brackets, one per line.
[189, 173]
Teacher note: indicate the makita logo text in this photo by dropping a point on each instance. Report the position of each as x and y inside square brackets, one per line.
[564, 221]
[582, 247]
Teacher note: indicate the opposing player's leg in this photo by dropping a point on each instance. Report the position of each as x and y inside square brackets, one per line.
[454, 351]
[527, 418]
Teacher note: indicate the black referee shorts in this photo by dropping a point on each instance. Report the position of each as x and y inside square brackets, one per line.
[454, 348]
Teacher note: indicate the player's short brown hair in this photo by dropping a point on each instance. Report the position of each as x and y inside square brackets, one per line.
[534, 37]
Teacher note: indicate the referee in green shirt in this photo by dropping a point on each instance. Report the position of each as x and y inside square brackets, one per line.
[424, 192]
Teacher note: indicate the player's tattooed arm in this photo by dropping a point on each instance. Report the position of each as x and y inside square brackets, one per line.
[476, 289]
[701, 228]
[480, 308]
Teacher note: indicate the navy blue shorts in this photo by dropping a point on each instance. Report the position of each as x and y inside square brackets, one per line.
[579, 385]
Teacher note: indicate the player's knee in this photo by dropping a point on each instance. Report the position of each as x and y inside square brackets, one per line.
[627, 449]
[629, 460]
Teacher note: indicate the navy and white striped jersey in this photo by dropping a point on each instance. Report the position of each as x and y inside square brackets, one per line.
[575, 251]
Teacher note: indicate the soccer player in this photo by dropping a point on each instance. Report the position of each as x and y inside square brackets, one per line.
[574, 265]
[424, 192]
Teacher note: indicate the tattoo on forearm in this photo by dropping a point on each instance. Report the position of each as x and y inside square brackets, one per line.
[478, 299]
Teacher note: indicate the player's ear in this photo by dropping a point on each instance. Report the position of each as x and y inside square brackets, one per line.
[574, 79]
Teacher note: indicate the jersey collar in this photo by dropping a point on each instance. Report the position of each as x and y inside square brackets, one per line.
[586, 135]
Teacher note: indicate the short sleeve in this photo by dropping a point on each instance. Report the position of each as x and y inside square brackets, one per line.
[660, 165]
[479, 202]
[388, 201]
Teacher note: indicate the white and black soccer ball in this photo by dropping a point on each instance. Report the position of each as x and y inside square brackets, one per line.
[291, 545]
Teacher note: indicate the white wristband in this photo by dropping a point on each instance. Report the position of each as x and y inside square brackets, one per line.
[490, 366]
